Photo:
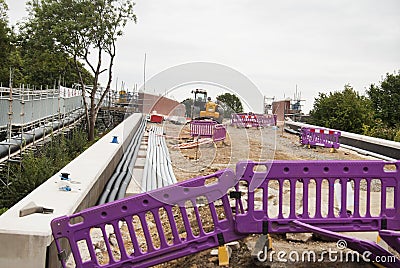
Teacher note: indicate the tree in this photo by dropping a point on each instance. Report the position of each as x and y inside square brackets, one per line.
[385, 99]
[5, 46]
[231, 102]
[87, 31]
[188, 106]
[10, 58]
[44, 64]
[343, 110]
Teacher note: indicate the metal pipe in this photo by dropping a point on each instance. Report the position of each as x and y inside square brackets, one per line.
[13, 144]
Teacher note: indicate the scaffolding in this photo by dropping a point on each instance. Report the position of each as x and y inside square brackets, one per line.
[28, 116]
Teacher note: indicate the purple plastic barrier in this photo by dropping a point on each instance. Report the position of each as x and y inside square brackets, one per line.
[207, 129]
[219, 133]
[266, 120]
[202, 128]
[392, 238]
[235, 120]
[357, 244]
[315, 180]
[244, 120]
[320, 137]
[131, 211]
[253, 120]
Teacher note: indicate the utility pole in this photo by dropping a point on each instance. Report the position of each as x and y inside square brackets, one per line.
[144, 73]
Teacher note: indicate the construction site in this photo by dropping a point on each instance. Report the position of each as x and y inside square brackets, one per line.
[158, 191]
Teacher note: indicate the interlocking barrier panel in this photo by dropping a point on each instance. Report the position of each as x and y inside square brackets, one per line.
[371, 252]
[202, 128]
[270, 197]
[244, 120]
[266, 120]
[207, 129]
[305, 191]
[252, 120]
[219, 133]
[392, 238]
[153, 227]
[320, 137]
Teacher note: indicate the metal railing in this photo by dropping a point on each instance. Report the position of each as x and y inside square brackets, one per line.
[28, 106]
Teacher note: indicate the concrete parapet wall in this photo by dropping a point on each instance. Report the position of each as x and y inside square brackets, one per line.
[27, 241]
[390, 149]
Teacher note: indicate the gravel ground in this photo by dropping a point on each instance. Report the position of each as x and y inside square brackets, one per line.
[241, 144]
[257, 145]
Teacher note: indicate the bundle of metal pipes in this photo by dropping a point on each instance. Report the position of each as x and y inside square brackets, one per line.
[13, 144]
[158, 168]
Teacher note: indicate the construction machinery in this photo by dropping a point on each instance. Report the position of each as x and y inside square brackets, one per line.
[204, 108]
[124, 98]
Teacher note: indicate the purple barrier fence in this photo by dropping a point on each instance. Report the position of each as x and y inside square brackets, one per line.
[181, 213]
[392, 238]
[253, 120]
[320, 137]
[367, 249]
[235, 121]
[374, 206]
[202, 129]
[207, 129]
[132, 245]
[266, 120]
[219, 133]
[244, 120]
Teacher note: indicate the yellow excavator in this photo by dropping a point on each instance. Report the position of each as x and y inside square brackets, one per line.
[204, 108]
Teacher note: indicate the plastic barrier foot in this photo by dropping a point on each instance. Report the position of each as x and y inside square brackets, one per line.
[224, 253]
[263, 244]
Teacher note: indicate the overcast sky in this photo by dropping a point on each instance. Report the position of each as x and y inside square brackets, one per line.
[317, 45]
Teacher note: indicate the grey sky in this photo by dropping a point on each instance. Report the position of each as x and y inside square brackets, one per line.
[317, 45]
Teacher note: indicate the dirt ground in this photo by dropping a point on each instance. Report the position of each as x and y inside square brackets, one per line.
[257, 145]
[241, 144]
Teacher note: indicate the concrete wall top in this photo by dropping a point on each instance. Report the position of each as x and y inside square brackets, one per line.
[85, 169]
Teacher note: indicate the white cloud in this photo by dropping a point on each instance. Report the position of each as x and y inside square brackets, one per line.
[318, 45]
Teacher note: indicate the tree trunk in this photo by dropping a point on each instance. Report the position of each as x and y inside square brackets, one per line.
[78, 71]
[91, 125]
